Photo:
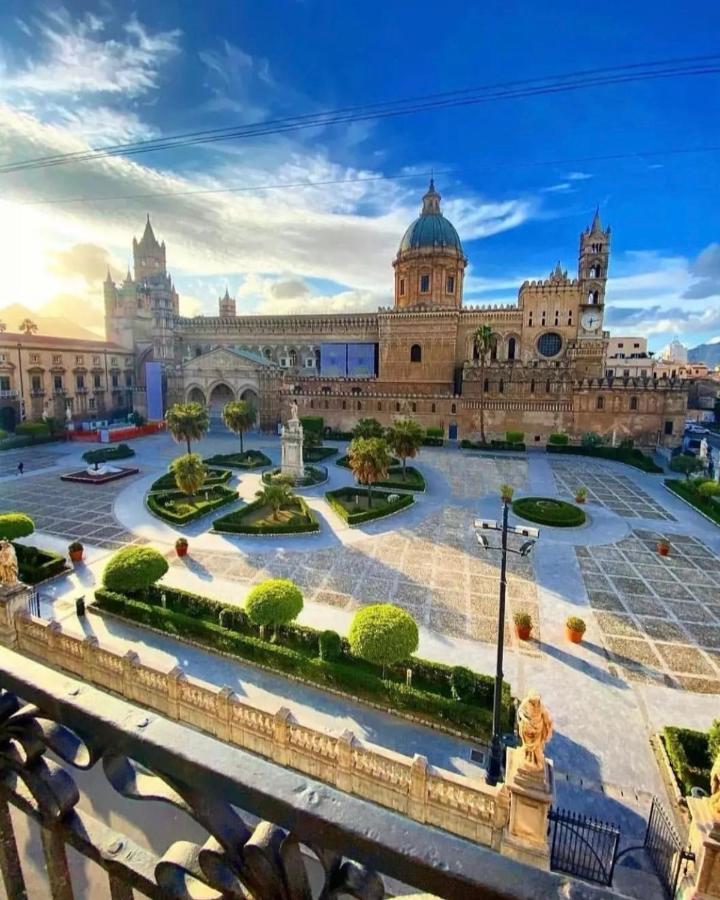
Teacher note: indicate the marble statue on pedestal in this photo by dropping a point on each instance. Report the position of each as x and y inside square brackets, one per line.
[535, 729]
[8, 565]
[291, 442]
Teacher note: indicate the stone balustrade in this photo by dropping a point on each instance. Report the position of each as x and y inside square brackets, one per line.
[411, 786]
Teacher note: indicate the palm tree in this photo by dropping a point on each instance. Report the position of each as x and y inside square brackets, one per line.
[3, 327]
[187, 422]
[367, 428]
[189, 473]
[483, 338]
[239, 416]
[27, 326]
[369, 460]
[275, 495]
[405, 438]
[506, 492]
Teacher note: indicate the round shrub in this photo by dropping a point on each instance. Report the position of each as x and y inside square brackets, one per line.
[32, 429]
[15, 525]
[330, 645]
[383, 634]
[274, 602]
[709, 489]
[134, 569]
[686, 465]
[558, 439]
[548, 511]
[462, 683]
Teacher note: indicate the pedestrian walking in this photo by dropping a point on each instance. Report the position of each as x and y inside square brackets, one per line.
[21, 468]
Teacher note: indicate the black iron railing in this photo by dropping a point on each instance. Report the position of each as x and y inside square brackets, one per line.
[666, 850]
[582, 846]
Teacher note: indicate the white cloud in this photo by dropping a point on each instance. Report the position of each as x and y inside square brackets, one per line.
[578, 176]
[562, 188]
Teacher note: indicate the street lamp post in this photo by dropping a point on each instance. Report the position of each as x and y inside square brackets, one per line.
[494, 768]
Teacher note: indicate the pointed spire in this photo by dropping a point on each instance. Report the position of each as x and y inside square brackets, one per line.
[227, 293]
[108, 280]
[128, 277]
[596, 223]
[431, 201]
[148, 235]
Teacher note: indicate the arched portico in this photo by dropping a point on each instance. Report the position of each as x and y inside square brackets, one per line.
[220, 394]
[194, 394]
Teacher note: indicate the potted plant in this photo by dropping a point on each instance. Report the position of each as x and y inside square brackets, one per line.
[76, 550]
[581, 495]
[523, 625]
[181, 546]
[663, 547]
[575, 629]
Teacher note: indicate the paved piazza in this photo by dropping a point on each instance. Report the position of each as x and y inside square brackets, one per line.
[614, 491]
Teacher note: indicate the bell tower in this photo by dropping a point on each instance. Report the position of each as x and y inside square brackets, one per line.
[593, 262]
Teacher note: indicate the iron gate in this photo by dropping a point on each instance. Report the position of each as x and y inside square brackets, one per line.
[34, 603]
[665, 848]
[582, 846]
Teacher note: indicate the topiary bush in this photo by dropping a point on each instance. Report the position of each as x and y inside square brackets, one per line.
[330, 645]
[233, 618]
[383, 634]
[549, 511]
[558, 440]
[134, 569]
[274, 602]
[514, 437]
[462, 683]
[32, 429]
[714, 740]
[15, 525]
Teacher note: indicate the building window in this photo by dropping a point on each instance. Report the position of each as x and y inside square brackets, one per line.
[327, 404]
[128, 380]
[594, 297]
[486, 386]
[57, 382]
[292, 356]
[530, 320]
[557, 317]
[643, 373]
[668, 427]
[501, 387]
[636, 346]
[91, 402]
[547, 386]
[570, 318]
[549, 344]
[80, 382]
[34, 357]
[79, 360]
[312, 404]
[542, 318]
[359, 405]
[309, 362]
[36, 383]
[532, 386]
[416, 353]
[453, 408]
[433, 408]
[57, 360]
[511, 348]
[424, 284]
[379, 406]
[115, 381]
[96, 360]
[450, 284]
[397, 407]
[402, 287]
[4, 382]
[344, 404]
[96, 382]
[600, 403]
[414, 407]
[493, 348]
[633, 403]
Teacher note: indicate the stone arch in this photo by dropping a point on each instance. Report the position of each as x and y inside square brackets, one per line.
[194, 394]
[249, 395]
[219, 394]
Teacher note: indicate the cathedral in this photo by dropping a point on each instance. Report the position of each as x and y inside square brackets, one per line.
[542, 373]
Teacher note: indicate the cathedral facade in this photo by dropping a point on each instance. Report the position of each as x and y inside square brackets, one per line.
[543, 372]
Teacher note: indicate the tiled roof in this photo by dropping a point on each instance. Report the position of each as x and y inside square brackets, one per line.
[58, 343]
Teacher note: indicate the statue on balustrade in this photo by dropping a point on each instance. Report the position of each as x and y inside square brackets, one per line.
[535, 729]
[715, 791]
[8, 565]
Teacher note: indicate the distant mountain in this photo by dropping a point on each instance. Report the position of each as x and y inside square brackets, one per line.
[53, 326]
[705, 353]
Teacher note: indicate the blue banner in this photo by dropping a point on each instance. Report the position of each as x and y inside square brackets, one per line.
[153, 385]
[361, 360]
[333, 360]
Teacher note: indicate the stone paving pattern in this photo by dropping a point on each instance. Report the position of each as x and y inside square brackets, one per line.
[660, 616]
[435, 571]
[72, 511]
[613, 491]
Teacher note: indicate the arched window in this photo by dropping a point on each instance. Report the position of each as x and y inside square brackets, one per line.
[424, 284]
[312, 404]
[501, 386]
[267, 353]
[532, 386]
[397, 407]
[593, 297]
[344, 404]
[453, 409]
[547, 386]
[379, 406]
[433, 408]
[292, 356]
[416, 353]
[476, 351]
[493, 348]
[486, 386]
[633, 403]
[198, 351]
[511, 348]
[600, 404]
[327, 404]
[326, 389]
[402, 287]
[359, 405]
[356, 391]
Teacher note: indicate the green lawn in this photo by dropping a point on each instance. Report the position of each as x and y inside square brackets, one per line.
[177, 508]
[295, 517]
[250, 459]
[684, 489]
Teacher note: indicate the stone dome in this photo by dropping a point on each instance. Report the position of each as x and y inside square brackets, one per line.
[431, 229]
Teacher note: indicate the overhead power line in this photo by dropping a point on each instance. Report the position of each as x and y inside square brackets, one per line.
[673, 68]
[298, 185]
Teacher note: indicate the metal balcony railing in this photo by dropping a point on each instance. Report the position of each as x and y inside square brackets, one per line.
[267, 832]
[8, 395]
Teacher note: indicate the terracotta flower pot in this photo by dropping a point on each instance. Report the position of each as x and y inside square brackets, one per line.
[663, 550]
[76, 556]
[573, 636]
[181, 549]
[580, 499]
[523, 632]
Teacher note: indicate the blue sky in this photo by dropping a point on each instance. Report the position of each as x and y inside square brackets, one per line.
[520, 178]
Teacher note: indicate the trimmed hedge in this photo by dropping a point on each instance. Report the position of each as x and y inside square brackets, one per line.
[217, 496]
[334, 434]
[250, 459]
[32, 429]
[344, 461]
[515, 437]
[414, 481]
[689, 755]
[492, 445]
[15, 443]
[318, 454]
[214, 477]
[558, 440]
[15, 525]
[313, 423]
[35, 565]
[105, 454]
[548, 511]
[348, 675]
[233, 523]
[134, 569]
[381, 509]
[313, 475]
[686, 490]
[629, 455]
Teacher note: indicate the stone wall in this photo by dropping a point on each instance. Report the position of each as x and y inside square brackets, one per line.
[411, 786]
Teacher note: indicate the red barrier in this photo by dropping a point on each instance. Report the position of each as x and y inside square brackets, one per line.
[118, 434]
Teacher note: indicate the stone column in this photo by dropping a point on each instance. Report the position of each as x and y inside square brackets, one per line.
[344, 768]
[14, 598]
[705, 844]
[531, 794]
[281, 751]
